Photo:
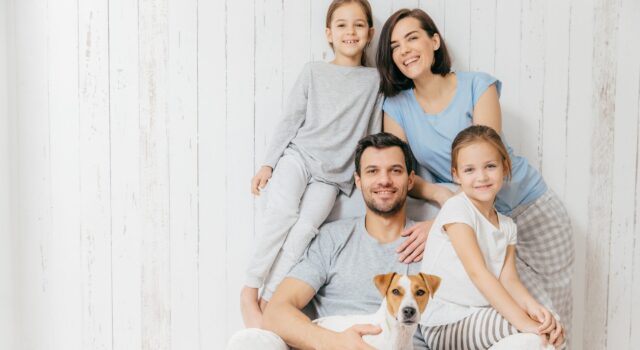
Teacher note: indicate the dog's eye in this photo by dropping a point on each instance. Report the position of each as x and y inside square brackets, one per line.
[396, 291]
[420, 292]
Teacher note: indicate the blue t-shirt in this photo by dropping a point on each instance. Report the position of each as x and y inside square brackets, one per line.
[430, 137]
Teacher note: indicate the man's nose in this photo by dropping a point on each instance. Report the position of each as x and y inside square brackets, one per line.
[384, 178]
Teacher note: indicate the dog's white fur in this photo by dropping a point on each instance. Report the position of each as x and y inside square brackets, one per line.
[397, 330]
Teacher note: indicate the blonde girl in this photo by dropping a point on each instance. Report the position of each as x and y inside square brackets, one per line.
[310, 157]
[472, 247]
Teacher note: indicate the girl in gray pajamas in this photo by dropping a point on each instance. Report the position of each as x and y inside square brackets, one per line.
[310, 157]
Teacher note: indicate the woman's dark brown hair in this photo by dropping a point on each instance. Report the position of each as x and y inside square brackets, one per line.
[366, 8]
[392, 81]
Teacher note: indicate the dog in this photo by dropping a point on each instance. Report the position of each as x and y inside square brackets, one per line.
[405, 299]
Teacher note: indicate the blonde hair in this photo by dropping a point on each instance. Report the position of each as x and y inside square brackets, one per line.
[476, 134]
[366, 7]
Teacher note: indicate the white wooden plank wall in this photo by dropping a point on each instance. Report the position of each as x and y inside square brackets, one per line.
[129, 132]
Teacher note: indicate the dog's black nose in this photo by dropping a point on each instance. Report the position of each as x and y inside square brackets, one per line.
[408, 312]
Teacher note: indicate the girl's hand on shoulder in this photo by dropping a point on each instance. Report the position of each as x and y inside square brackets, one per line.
[260, 179]
[412, 249]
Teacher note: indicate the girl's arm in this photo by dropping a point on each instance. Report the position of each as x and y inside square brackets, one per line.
[487, 110]
[421, 188]
[465, 244]
[511, 281]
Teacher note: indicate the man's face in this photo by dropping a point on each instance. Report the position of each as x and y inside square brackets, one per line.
[384, 180]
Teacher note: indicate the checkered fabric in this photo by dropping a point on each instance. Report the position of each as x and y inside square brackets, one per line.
[545, 253]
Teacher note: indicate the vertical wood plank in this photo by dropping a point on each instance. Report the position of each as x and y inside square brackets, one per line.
[436, 9]
[507, 67]
[240, 140]
[126, 151]
[579, 129]
[212, 140]
[320, 49]
[601, 172]
[66, 315]
[458, 35]
[296, 49]
[482, 43]
[95, 172]
[32, 196]
[532, 73]
[7, 317]
[556, 76]
[404, 4]
[625, 155]
[634, 336]
[183, 165]
[154, 175]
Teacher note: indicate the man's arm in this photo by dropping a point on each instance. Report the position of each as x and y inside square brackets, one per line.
[284, 317]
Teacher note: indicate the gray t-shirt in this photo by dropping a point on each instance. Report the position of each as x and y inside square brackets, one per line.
[329, 109]
[340, 264]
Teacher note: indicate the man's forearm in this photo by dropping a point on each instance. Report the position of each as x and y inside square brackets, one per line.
[294, 327]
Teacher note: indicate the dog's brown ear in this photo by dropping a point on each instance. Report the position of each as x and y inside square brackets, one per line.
[432, 282]
[383, 282]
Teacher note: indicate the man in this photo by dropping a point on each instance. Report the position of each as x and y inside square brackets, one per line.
[336, 273]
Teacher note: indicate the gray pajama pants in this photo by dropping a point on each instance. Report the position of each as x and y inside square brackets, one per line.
[479, 330]
[545, 253]
[296, 205]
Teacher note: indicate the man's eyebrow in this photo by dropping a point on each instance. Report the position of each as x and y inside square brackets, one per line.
[406, 35]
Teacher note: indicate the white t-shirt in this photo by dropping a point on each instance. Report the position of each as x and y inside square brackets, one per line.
[457, 297]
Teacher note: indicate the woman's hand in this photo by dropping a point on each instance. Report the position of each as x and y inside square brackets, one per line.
[260, 179]
[412, 249]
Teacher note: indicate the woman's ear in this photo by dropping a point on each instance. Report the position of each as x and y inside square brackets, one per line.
[436, 41]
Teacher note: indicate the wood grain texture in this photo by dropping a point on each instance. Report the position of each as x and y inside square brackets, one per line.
[134, 129]
[601, 173]
[126, 153]
[154, 174]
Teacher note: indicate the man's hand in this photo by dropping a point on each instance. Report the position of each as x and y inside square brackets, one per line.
[351, 338]
[260, 179]
[412, 249]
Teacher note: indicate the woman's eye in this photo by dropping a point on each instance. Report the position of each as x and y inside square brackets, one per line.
[411, 38]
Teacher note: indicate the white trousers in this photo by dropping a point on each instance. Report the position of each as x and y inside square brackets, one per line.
[255, 338]
[296, 205]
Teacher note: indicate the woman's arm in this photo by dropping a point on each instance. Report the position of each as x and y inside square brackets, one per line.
[421, 188]
[487, 109]
[465, 244]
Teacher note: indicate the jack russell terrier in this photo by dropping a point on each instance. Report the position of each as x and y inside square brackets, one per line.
[405, 299]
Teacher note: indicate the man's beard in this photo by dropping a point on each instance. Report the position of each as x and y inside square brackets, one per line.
[382, 211]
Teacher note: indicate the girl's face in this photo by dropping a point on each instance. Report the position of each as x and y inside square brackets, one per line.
[349, 33]
[412, 49]
[480, 172]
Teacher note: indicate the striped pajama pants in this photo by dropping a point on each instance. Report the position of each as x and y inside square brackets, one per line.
[479, 330]
[545, 254]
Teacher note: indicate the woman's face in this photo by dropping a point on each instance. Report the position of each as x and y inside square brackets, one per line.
[412, 49]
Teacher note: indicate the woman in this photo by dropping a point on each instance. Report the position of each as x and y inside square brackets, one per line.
[427, 105]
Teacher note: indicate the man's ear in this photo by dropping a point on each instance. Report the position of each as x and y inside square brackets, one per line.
[357, 179]
[412, 179]
[383, 282]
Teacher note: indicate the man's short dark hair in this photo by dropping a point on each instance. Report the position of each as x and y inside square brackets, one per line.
[380, 141]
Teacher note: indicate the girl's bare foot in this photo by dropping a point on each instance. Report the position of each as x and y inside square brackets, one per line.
[250, 308]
